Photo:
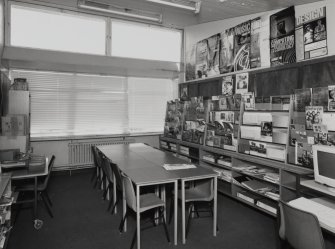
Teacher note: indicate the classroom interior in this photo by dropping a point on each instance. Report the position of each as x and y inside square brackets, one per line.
[167, 124]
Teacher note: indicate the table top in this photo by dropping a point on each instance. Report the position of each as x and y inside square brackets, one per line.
[36, 169]
[144, 164]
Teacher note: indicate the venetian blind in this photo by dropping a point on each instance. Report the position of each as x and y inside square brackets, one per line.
[147, 99]
[71, 104]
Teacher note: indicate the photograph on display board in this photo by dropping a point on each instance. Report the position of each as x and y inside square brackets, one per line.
[242, 81]
[227, 51]
[282, 37]
[201, 59]
[311, 34]
[242, 46]
[228, 85]
[331, 98]
[213, 43]
[314, 116]
[255, 50]
[190, 63]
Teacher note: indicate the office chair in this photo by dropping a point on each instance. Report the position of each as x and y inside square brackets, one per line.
[42, 188]
[299, 228]
[147, 202]
[202, 192]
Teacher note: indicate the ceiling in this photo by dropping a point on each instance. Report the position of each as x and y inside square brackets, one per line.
[211, 10]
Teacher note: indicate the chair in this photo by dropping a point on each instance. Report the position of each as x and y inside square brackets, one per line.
[107, 176]
[119, 186]
[299, 228]
[147, 202]
[42, 188]
[97, 163]
[203, 191]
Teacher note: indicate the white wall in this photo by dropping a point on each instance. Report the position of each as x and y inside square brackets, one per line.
[2, 27]
[196, 33]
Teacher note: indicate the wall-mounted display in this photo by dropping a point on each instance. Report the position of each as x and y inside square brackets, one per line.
[311, 34]
[282, 37]
[242, 43]
[255, 44]
[227, 51]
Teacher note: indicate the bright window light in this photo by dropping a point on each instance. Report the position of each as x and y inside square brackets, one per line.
[55, 30]
[145, 42]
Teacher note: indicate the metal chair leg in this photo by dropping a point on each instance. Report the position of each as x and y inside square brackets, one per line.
[46, 205]
[122, 222]
[134, 238]
[114, 206]
[47, 197]
[189, 219]
[171, 209]
[164, 224]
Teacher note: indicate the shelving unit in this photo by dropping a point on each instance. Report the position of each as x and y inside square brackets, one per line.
[7, 197]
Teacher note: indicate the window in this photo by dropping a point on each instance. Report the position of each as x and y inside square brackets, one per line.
[145, 42]
[56, 30]
[64, 104]
[70, 104]
[147, 103]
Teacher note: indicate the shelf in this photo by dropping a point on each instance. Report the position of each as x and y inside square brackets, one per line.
[261, 141]
[254, 206]
[254, 176]
[216, 164]
[254, 192]
[291, 186]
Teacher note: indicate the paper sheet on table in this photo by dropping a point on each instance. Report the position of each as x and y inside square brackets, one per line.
[178, 166]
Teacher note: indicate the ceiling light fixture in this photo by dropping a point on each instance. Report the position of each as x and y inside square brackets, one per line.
[121, 11]
[184, 4]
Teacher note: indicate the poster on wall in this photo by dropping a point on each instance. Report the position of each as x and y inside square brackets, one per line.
[331, 98]
[190, 63]
[282, 37]
[311, 34]
[227, 51]
[242, 46]
[255, 50]
[228, 85]
[201, 59]
[242, 81]
[213, 43]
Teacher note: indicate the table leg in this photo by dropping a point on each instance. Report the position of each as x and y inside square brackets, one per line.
[114, 193]
[124, 207]
[215, 206]
[175, 212]
[35, 197]
[163, 199]
[138, 217]
[183, 210]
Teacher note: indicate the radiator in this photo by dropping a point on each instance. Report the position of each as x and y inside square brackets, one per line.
[80, 153]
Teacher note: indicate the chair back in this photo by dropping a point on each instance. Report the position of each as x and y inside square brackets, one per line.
[97, 155]
[50, 166]
[301, 229]
[94, 153]
[106, 167]
[206, 188]
[130, 192]
[118, 176]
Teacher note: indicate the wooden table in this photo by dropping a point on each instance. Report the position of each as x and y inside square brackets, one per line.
[143, 164]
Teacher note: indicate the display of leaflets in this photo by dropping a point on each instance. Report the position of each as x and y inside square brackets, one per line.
[249, 101]
[320, 97]
[304, 155]
[184, 92]
[190, 63]
[213, 43]
[242, 81]
[227, 51]
[302, 98]
[282, 37]
[255, 50]
[242, 43]
[228, 85]
[201, 59]
[267, 205]
[266, 129]
[258, 149]
[314, 116]
[178, 166]
[175, 114]
[331, 98]
[311, 34]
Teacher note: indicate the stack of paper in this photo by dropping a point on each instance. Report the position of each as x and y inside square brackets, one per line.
[272, 177]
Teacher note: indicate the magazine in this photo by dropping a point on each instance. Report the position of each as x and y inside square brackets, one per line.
[213, 55]
[249, 101]
[242, 43]
[228, 85]
[314, 116]
[242, 81]
[227, 51]
[302, 98]
[255, 51]
[331, 98]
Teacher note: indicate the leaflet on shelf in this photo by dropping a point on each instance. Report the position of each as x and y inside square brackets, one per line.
[251, 132]
[267, 205]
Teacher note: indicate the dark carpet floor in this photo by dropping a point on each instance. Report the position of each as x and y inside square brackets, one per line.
[81, 222]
